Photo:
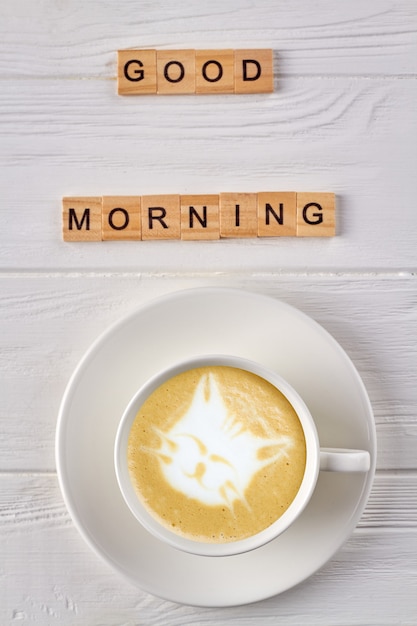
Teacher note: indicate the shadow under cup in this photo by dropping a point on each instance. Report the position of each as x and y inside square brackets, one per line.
[218, 455]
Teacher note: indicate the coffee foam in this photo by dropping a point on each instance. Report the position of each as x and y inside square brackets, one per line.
[209, 454]
[216, 453]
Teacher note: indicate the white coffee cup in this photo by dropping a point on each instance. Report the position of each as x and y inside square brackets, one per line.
[317, 458]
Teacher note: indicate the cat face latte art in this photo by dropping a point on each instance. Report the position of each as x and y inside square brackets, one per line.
[216, 454]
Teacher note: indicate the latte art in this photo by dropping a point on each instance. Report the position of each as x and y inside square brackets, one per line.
[210, 454]
[216, 454]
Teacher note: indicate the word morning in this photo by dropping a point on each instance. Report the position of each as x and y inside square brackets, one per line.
[141, 72]
[199, 217]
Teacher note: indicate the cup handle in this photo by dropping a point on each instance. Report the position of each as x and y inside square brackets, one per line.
[344, 460]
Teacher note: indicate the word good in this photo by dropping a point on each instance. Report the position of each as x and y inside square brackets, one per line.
[216, 454]
[199, 217]
[141, 72]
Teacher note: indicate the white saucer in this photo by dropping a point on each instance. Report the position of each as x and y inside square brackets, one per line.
[205, 321]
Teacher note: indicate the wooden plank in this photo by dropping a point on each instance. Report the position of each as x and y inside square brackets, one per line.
[49, 574]
[392, 503]
[348, 123]
[49, 320]
[325, 39]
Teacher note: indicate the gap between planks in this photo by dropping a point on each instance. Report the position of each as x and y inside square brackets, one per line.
[52, 472]
[382, 274]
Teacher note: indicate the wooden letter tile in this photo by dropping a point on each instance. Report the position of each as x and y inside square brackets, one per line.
[161, 217]
[200, 217]
[175, 71]
[254, 71]
[136, 72]
[81, 219]
[214, 71]
[238, 215]
[121, 218]
[277, 211]
[316, 214]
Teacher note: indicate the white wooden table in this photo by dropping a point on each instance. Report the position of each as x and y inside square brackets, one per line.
[343, 118]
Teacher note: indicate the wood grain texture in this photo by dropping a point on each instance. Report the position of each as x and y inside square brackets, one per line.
[378, 37]
[54, 319]
[58, 141]
[341, 118]
[374, 562]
